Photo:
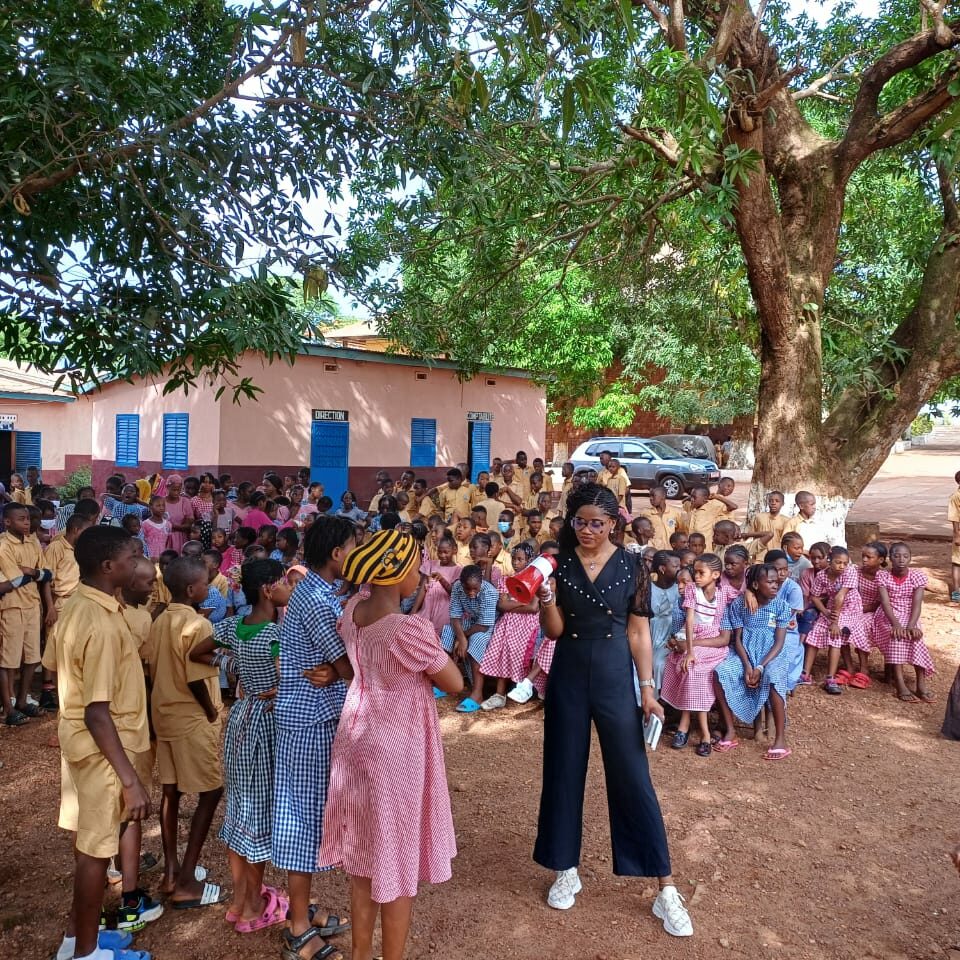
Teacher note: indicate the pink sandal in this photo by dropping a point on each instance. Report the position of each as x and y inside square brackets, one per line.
[275, 912]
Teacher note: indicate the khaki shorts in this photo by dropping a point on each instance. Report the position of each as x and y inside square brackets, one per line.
[193, 762]
[19, 636]
[91, 804]
[96, 805]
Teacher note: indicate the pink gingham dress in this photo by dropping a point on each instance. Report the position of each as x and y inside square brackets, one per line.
[869, 597]
[388, 808]
[851, 613]
[693, 690]
[436, 601]
[511, 648]
[543, 660]
[900, 593]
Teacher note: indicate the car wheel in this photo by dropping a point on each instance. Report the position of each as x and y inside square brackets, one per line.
[673, 487]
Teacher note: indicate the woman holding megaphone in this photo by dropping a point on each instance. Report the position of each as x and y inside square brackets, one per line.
[597, 607]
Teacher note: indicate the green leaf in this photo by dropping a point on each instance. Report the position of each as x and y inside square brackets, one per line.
[568, 108]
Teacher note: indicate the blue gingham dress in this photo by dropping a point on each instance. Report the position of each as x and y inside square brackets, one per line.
[758, 636]
[306, 723]
[250, 743]
[481, 609]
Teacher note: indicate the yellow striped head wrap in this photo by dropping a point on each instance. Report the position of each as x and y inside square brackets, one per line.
[384, 560]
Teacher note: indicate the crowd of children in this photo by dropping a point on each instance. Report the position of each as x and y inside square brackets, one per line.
[160, 597]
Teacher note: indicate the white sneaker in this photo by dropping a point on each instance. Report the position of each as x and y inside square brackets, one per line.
[496, 702]
[522, 692]
[563, 893]
[669, 908]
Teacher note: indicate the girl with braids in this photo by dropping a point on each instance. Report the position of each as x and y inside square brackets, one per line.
[597, 608]
[688, 676]
[758, 670]
[514, 639]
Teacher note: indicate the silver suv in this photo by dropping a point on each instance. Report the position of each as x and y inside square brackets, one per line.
[649, 463]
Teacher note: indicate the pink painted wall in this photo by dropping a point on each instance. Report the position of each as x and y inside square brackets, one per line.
[147, 399]
[64, 428]
[381, 398]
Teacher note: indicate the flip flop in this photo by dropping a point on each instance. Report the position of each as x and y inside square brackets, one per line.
[861, 681]
[212, 895]
[777, 753]
[927, 697]
[843, 677]
[468, 706]
[906, 697]
[722, 746]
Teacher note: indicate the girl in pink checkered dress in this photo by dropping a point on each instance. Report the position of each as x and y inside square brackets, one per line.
[897, 628]
[873, 558]
[835, 596]
[688, 674]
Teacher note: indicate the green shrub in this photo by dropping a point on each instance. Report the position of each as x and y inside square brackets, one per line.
[81, 477]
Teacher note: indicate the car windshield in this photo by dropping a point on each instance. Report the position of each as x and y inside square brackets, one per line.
[663, 451]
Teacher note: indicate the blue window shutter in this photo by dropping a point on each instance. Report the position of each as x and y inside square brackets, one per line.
[479, 449]
[128, 440]
[176, 434]
[423, 442]
[27, 450]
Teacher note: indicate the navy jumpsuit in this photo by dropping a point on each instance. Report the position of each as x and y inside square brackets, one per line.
[591, 678]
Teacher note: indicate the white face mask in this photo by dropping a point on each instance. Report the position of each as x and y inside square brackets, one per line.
[56, 503]
[49, 524]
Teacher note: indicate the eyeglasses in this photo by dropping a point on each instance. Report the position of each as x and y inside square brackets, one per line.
[596, 526]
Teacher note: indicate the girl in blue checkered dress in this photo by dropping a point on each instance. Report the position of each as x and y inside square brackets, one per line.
[759, 670]
[251, 643]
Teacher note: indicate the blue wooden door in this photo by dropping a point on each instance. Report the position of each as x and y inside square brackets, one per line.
[479, 454]
[329, 457]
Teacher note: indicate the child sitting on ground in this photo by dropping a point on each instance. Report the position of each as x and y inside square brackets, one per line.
[757, 671]
[834, 593]
[514, 638]
[898, 631]
[688, 675]
[473, 613]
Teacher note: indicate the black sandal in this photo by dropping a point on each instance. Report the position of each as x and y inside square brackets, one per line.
[704, 748]
[16, 718]
[30, 710]
[333, 927]
[293, 945]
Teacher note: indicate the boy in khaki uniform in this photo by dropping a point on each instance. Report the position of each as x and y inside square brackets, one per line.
[664, 518]
[772, 522]
[455, 496]
[103, 726]
[62, 564]
[703, 511]
[20, 612]
[185, 707]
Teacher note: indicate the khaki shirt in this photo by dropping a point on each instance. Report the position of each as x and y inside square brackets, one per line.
[518, 488]
[768, 523]
[455, 502]
[139, 622]
[60, 560]
[96, 660]
[494, 508]
[703, 519]
[176, 712]
[664, 525]
[14, 554]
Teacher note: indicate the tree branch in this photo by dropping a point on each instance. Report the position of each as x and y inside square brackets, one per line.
[39, 182]
[815, 87]
[664, 145]
[861, 136]
[676, 32]
[658, 15]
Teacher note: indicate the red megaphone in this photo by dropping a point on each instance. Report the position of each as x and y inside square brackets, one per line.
[523, 586]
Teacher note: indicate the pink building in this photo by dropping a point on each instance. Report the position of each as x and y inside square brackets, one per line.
[343, 412]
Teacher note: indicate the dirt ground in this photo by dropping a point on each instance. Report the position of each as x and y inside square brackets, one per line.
[838, 852]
